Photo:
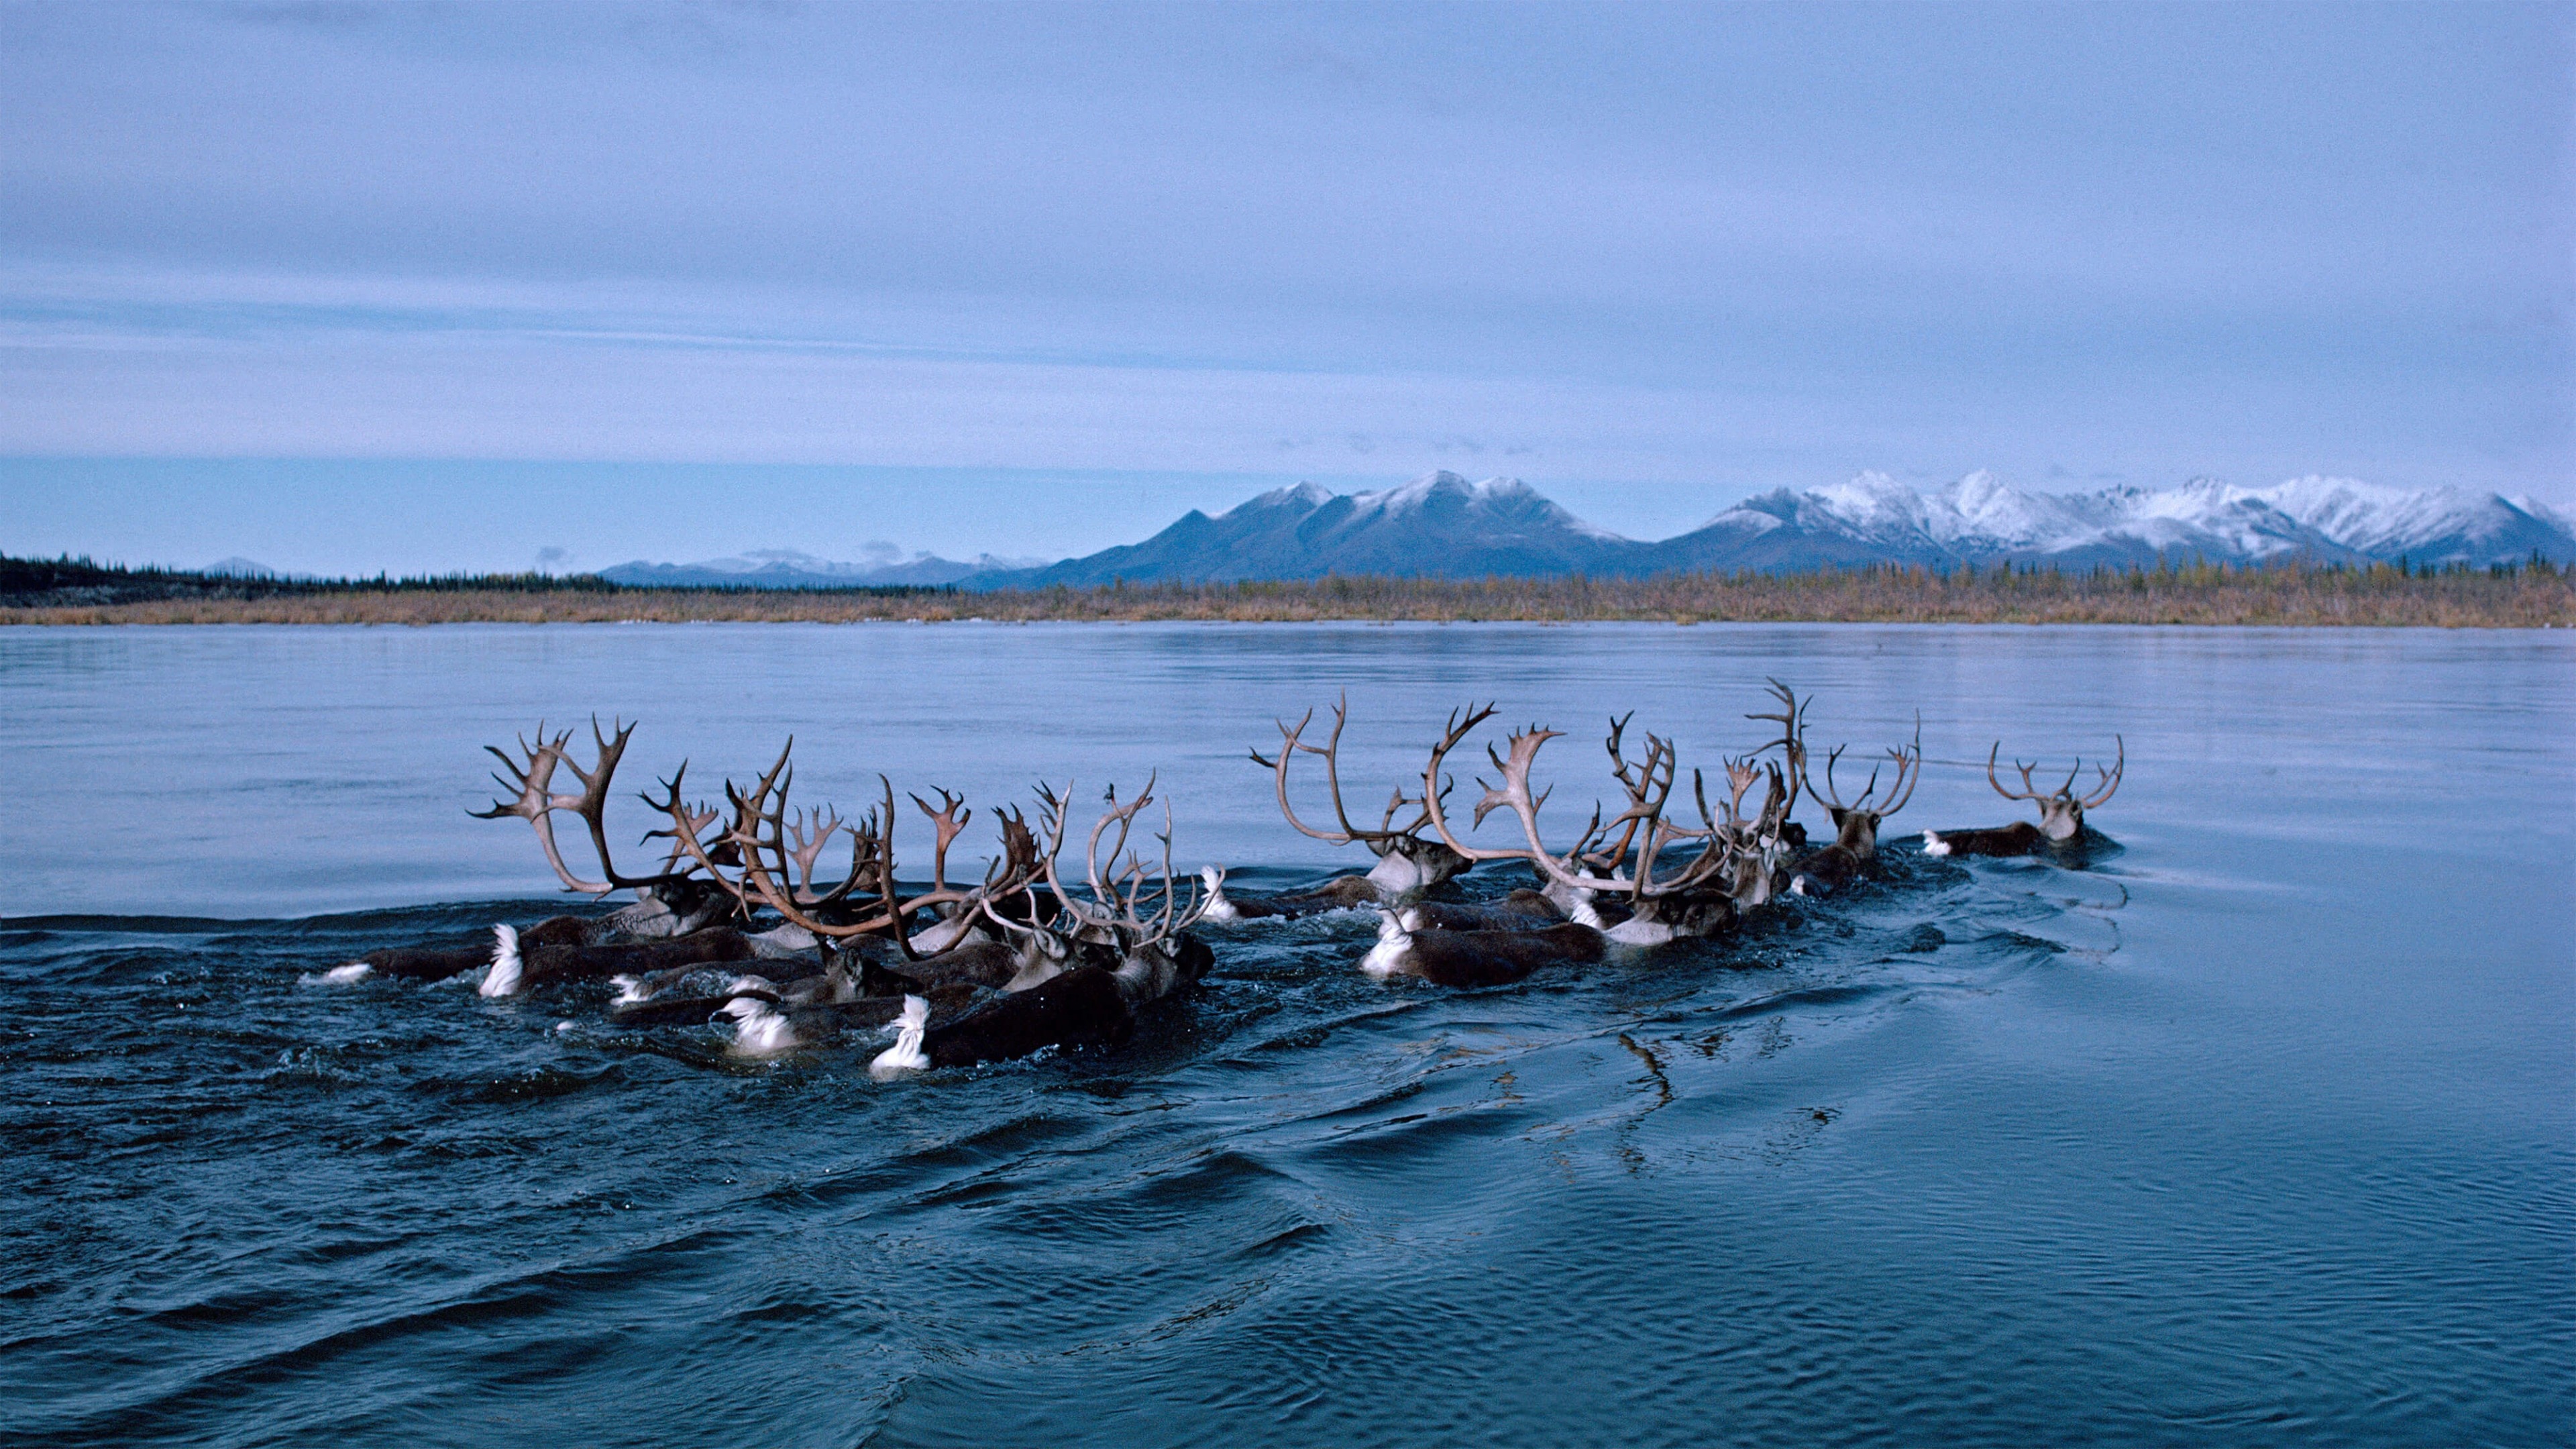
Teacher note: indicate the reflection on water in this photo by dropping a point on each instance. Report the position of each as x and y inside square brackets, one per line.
[2257, 1131]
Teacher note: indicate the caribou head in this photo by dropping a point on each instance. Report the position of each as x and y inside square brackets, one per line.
[1660, 901]
[2061, 811]
[1409, 862]
[1856, 824]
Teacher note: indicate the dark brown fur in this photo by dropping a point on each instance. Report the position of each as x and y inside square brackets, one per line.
[1083, 1007]
[989, 964]
[816, 1024]
[437, 963]
[1522, 910]
[1089, 1005]
[1338, 894]
[1833, 866]
[545, 965]
[427, 963]
[2019, 838]
[1494, 958]
[1698, 913]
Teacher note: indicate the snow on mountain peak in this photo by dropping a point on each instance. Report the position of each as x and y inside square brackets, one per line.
[2372, 517]
[1984, 507]
[1982, 516]
[1874, 503]
[1979, 512]
[1504, 500]
[1406, 497]
[1307, 495]
[2544, 512]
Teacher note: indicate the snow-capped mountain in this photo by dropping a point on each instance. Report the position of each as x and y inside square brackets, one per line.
[786, 568]
[1438, 524]
[1442, 525]
[1980, 518]
[2434, 524]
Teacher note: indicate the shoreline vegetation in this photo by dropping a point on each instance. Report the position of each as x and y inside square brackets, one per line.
[2535, 594]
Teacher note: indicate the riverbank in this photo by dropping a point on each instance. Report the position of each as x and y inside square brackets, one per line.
[2197, 594]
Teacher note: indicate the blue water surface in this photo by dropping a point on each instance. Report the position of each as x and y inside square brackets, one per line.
[2260, 1129]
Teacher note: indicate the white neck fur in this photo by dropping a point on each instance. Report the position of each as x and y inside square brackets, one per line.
[502, 978]
[906, 1054]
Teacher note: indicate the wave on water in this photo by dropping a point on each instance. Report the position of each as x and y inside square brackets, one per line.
[314, 1174]
[261, 1198]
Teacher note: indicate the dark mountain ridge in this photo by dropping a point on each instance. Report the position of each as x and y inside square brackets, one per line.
[1441, 525]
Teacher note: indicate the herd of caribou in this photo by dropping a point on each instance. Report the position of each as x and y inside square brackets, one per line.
[731, 922]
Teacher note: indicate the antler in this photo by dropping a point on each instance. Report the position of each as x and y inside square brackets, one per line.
[824, 822]
[760, 884]
[537, 801]
[1170, 916]
[688, 825]
[1292, 743]
[2107, 786]
[759, 833]
[1741, 775]
[1054, 818]
[2111, 777]
[686, 834]
[1649, 784]
[1019, 862]
[1833, 796]
[947, 821]
[1514, 794]
[1775, 805]
[1909, 770]
[766, 855]
[2028, 791]
[1124, 922]
[1908, 759]
[1792, 743]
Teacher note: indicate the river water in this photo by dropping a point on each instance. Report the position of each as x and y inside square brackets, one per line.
[2260, 1129]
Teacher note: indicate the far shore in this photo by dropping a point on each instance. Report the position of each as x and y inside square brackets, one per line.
[2528, 597]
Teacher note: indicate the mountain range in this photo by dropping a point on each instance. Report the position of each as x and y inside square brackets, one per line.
[787, 568]
[1443, 525]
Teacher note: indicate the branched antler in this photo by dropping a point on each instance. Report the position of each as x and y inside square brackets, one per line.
[1792, 743]
[2107, 786]
[1645, 830]
[765, 855]
[1908, 759]
[1115, 904]
[1292, 743]
[532, 781]
[947, 821]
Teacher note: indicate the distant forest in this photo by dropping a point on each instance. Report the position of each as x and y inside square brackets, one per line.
[2528, 595]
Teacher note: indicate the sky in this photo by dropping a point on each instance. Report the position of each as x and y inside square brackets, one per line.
[348, 287]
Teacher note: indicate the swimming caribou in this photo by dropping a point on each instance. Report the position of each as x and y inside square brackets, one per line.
[737, 922]
[733, 923]
[1603, 890]
[1855, 847]
[2061, 811]
[1409, 862]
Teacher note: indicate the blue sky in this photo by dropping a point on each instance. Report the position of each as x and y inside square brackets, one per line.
[344, 286]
